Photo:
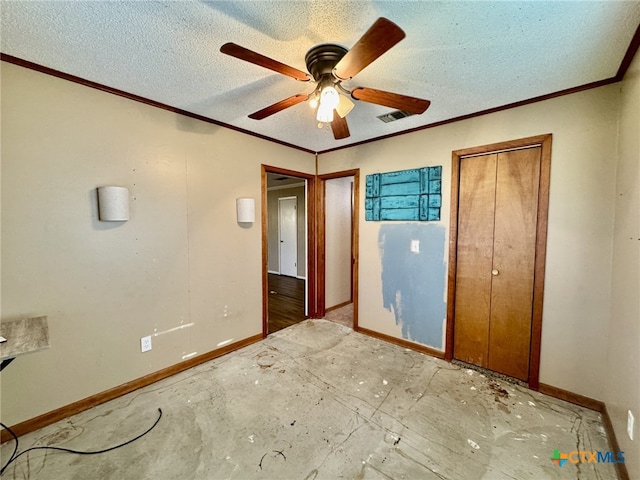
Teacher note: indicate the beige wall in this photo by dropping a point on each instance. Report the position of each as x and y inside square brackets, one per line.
[578, 277]
[622, 391]
[181, 269]
[338, 193]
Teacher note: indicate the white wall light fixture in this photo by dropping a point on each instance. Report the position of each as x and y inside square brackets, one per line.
[113, 204]
[246, 210]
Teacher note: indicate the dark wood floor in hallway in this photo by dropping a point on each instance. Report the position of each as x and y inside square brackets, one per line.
[286, 302]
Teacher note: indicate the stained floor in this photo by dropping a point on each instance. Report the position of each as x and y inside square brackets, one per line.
[342, 315]
[320, 401]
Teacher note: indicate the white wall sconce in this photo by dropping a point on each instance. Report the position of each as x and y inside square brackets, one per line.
[113, 204]
[246, 210]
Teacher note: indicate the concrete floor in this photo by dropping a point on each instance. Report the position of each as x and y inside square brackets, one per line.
[318, 401]
[342, 315]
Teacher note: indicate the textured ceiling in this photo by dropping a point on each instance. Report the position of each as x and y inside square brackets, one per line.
[465, 57]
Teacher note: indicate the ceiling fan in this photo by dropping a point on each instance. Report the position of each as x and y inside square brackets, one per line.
[329, 65]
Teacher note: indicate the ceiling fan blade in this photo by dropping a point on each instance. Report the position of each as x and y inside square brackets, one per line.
[380, 37]
[256, 58]
[339, 127]
[277, 107]
[393, 100]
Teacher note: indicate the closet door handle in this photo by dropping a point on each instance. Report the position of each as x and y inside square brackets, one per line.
[494, 272]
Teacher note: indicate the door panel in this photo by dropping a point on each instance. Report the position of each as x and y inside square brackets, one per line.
[288, 228]
[475, 254]
[516, 209]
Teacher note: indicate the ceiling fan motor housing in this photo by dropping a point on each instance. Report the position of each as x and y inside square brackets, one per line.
[322, 58]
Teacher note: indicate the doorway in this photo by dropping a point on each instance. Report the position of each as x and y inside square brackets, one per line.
[338, 247]
[287, 234]
[497, 253]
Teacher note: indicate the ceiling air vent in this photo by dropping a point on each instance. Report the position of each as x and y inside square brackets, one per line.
[393, 116]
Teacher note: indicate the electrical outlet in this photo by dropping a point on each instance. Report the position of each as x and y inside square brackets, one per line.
[415, 246]
[630, 421]
[145, 344]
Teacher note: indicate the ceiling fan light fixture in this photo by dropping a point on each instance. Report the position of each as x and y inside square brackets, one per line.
[329, 97]
[325, 113]
[314, 102]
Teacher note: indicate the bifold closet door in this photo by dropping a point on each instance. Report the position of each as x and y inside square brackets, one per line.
[497, 217]
[476, 212]
[514, 248]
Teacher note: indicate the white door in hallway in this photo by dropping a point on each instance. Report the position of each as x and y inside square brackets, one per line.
[288, 235]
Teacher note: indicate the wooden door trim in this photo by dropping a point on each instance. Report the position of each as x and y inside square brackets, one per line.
[312, 293]
[544, 141]
[321, 266]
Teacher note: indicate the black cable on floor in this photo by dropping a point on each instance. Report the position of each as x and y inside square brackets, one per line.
[14, 457]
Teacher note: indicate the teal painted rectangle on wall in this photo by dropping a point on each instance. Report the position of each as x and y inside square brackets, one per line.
[402, 176]
[399, 201]
[399, 214]
[373, 186]
[408, 195]
[435, 173]
[433, 214]
[372, 209]
[435, 186]
[410, 188]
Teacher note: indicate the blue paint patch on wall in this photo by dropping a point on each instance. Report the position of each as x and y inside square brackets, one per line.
[413, 284]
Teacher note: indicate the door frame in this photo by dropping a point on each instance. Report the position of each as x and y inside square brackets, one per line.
[321, 266]
[280, 199]
[543, 141]
[310, 194]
